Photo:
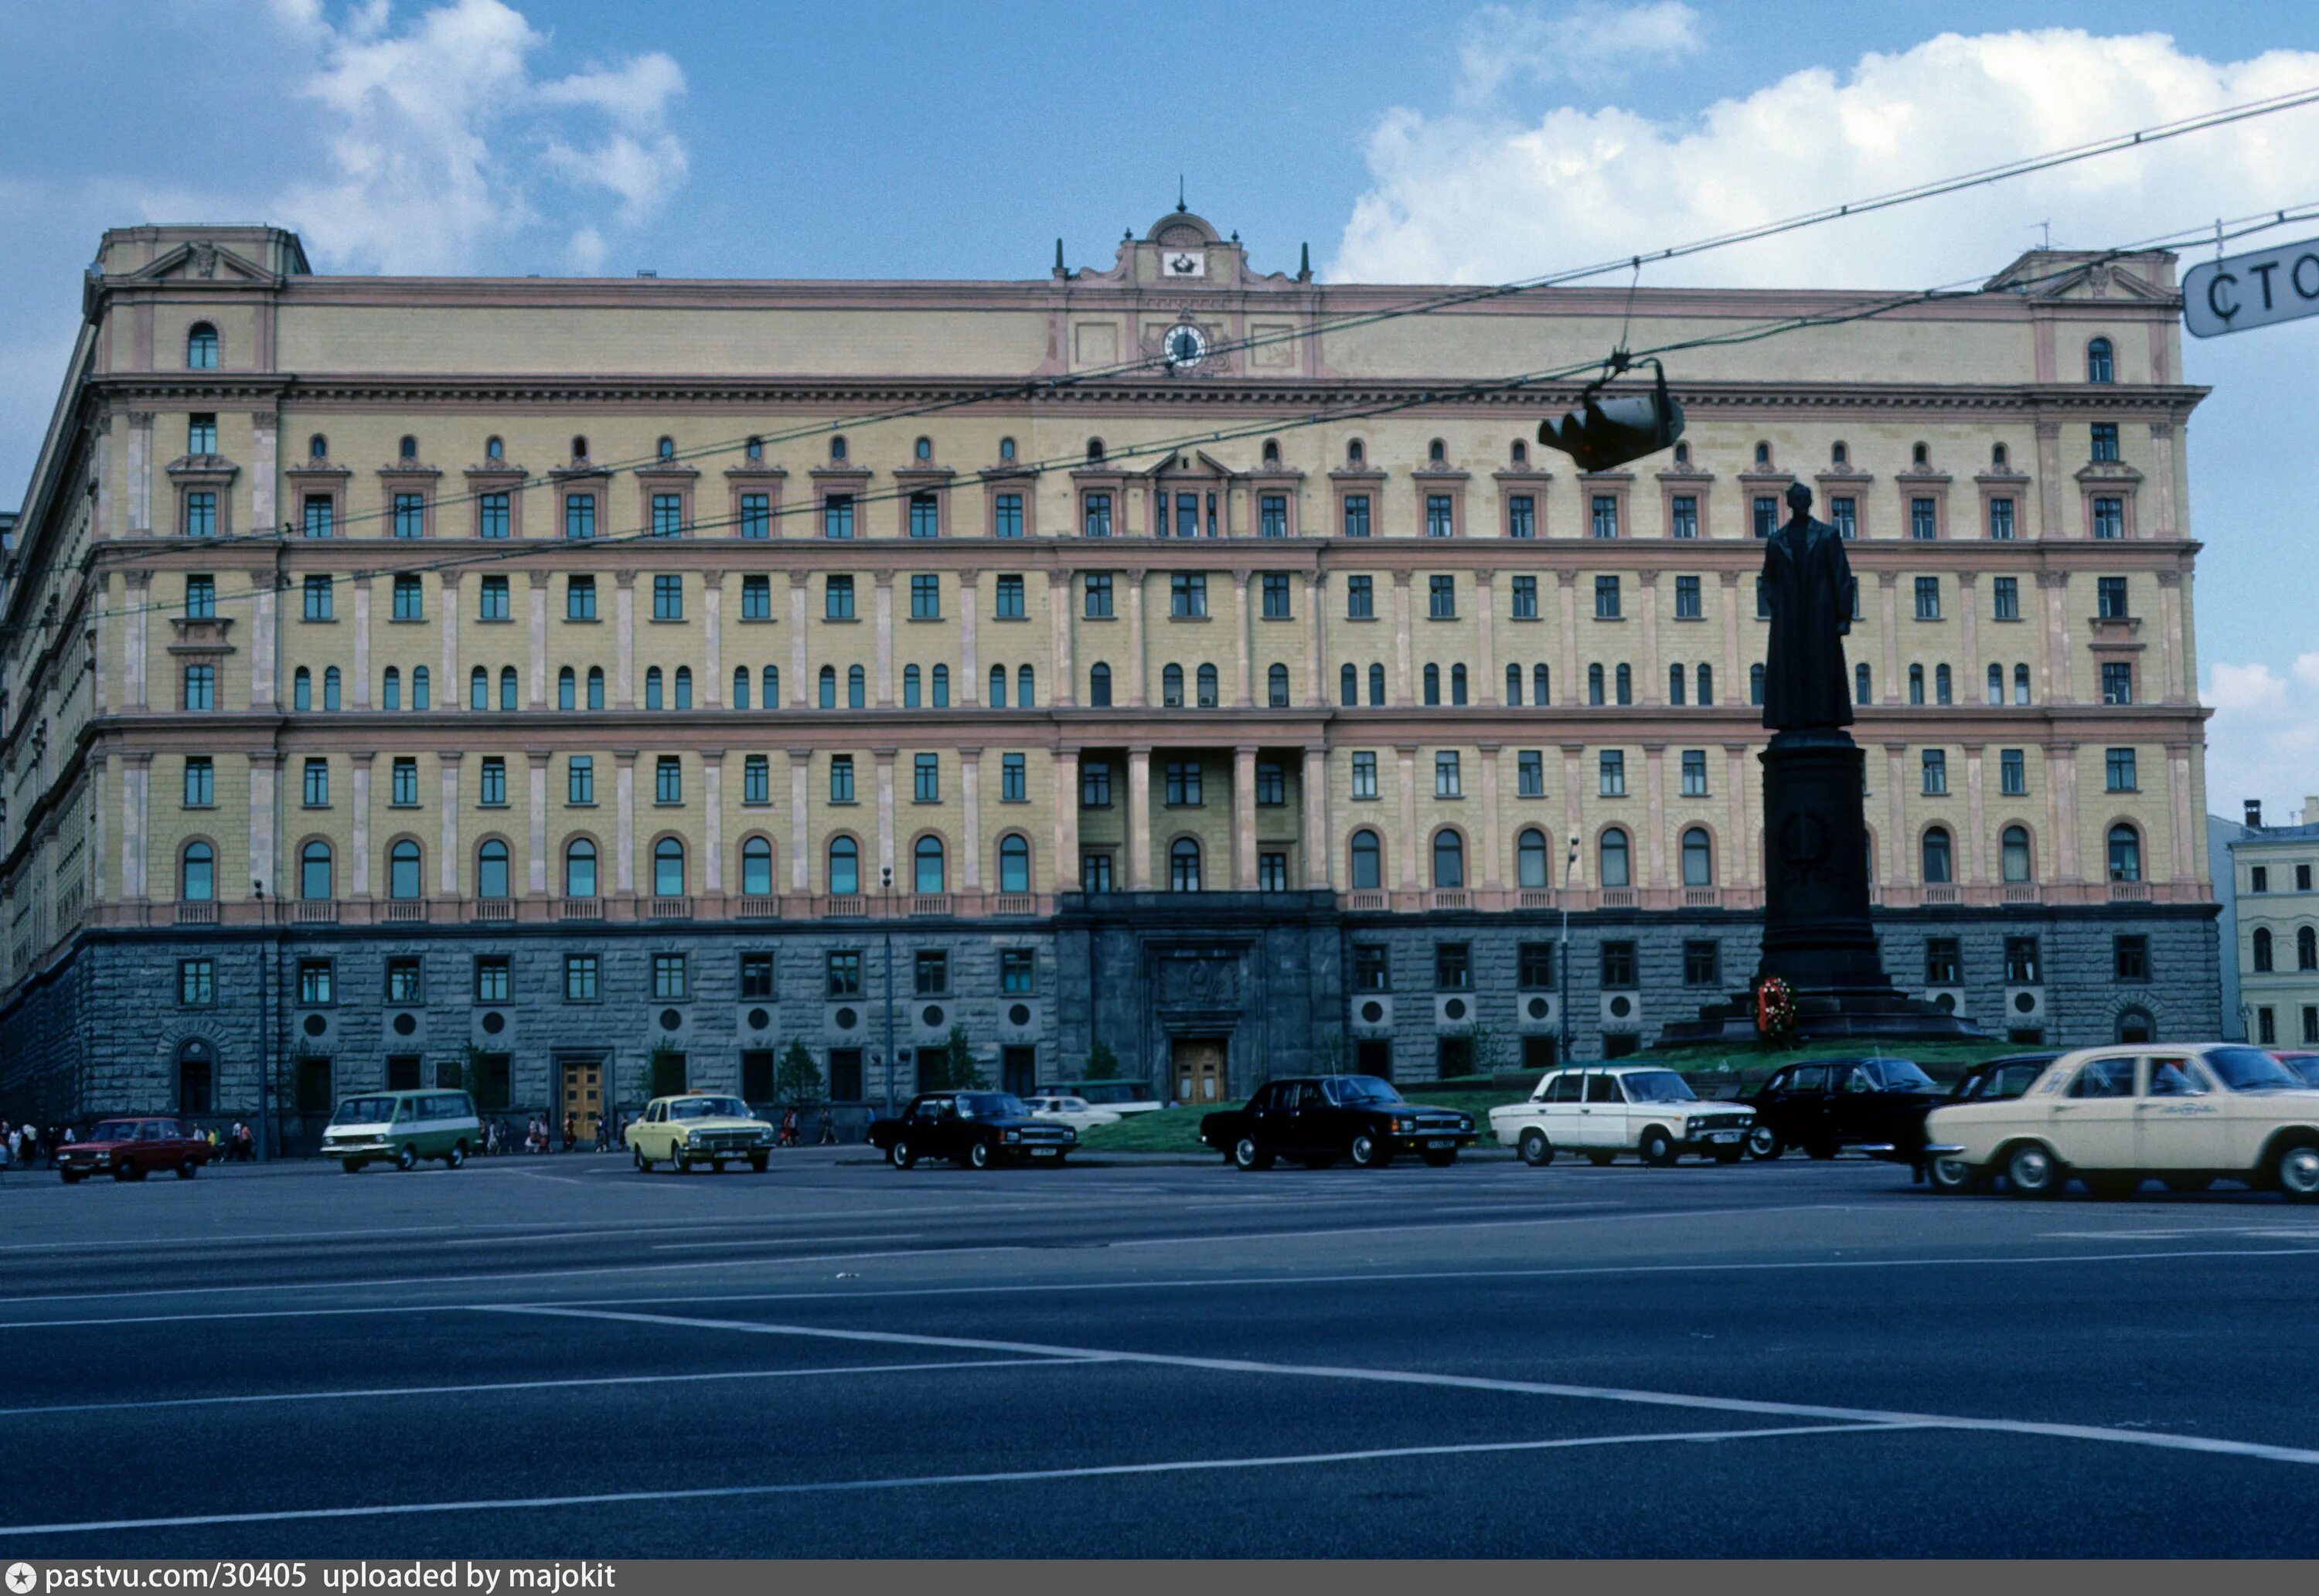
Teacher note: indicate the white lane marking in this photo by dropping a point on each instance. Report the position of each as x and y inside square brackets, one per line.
[575, 1383]
[1388, 1277]
[737, 1240]
[907, 1482]
[1657, 1399]
[2260, 1232]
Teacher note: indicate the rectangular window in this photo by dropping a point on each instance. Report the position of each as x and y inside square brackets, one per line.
[201, 434]
[925, 598]
[1763, 600]
[756, 515]
[1187, 594]
[201, 687]
[201, 515]
[668, 597]
[314, 984]
[1098, 596]
[1618, 964]
[756, 781]
[668, 976]
[757, 604]
[200, 598]
[1014, 779]
[756, 976]
[2021, 963]
[1007, 515]
[843, 973]
[1606, 598]
[1453, 967]
[930, 975]
[667, 515]
[1525, 598]
[1441, 598]
[1936, 762]
[410, 515]
[2005, 598]
[2116, 682]
[404, 787]
[926, 778]
[315, 790]
[2129, 957]
[2105, 441]
[1360, 599]
[2110, 598]
[1095, 871]
[1095, 785]
[318, 515]
[1534, 967]
[1365, 784]
[317, 595]
[494, 604]
[1611, 774]
[1183, 784]
[2310, 1024]
[1944, 964]
[1683, 520]
[837, 598]
[1095, 515]
[2012, 772]
[580, 598]
[1439, 520]
[403, 981]
[580, 778]
[1688, 604]
[1529, 773]
[494, 979]
[1272, 872]
[1844, 514]
[1356, 515]
[1923, 523]
[925, 516]
[837, 516]
[1006, 600]
[2266, 1026]
[2303, 878]
[1276, 595]
[1272, 515]
[494, 784]
[579, 515]
[201, 785]
[579, 978]
[668, 779]
[2000, 520]
[2118, 763]
[1604, 515]
[1521, 516]
[841, 777]
[2258, 877]
[1767, 515]
[1928, 598]
[1702, 964]
[1694, 772]
[2109, 518]
[1372, 968]
[409, 598]
[1444, 774]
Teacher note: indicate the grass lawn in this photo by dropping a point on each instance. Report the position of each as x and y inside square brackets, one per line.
[1177, 1129]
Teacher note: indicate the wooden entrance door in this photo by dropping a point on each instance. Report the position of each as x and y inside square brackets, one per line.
[1199, 1069]
[583, 1098]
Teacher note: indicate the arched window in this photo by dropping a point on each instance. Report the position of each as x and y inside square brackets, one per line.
[330, 687]
[1099, 685]
[1626, 680]
[1920, 455]
[2125, 854]
[666, 449]
[1377, 687]
[1355, 455]
[837, 447]
[1839, 455]
[828, 681]
[202, 348]
[302, 689]
[2262, 951]
[1943, 692]
[1433, 684]
[1457, 685]
[741, 686]
[1348, 685]
[479, 688]
[2135, 1025]
[2306, 948]
[1367, 859]
[753, 450]
[923, 449]
[1706, 680]
[756, 868]
[1448, 859]
[1938, 857]
[1762, 453]
[1026, 683]
[491, 870]
[2013, 846]
[857, 688]
[1184, 865]
[507, 687]
[1674, 685]
[314, 872]
[1094, 450]
[1171, 687]
[2100, 366]
[1861, 686]
[684, 687]
[595, 687]
[495, 450]
[1521, 453]
[419, 690]
[653, 689]
[580, 869]
[1276, 687]
[1998, 460]
[844, 867]
[1683, 453]
[389, 690]
[402, 870]
[931, 875]
[1916, 684]
[1755, 685]
[1007, 450]
[197, 874]
[1697, 858]
[408, 448]
[998, 687]
[578, 445]
[1996, 684]
[1513, 686]
[1272, 450]
[1613, 851]
[2020, 684]
[770, 685]
[1532, 865]
[318, 447]
[1538, 686]
[1013, 864]
[1436, 453]
[1595, 689]
[668, 868]
[1207, 682]
[941, 686]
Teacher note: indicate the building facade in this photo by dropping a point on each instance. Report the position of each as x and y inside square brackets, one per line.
[576, 685]
[2274, 928]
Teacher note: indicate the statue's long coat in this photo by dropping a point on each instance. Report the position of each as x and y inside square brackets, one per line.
[1811, 588]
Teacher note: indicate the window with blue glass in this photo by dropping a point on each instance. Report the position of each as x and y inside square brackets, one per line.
[580, 515]
[756, 515]
[1007, 515]
[837, 516]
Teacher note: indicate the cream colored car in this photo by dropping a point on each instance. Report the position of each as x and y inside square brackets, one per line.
[1077, 1113]
[2118, 1116]
[699, 1127]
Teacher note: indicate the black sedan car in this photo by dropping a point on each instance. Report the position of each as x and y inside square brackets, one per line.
[976, 1128]
[1824, 1105]
[1317, 1119]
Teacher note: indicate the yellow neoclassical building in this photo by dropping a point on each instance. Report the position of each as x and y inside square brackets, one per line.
[573, 686]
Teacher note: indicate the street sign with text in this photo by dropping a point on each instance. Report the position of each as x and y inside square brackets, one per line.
[2244, 291]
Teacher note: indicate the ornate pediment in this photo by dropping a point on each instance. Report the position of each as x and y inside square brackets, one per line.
[199, 260]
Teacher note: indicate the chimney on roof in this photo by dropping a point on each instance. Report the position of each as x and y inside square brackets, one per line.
[2310, 810]
[647, 271]
[2254, 814]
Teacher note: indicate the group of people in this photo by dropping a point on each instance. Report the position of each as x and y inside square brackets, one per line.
[238, 1145]
[541, 1134]
[25, 1145]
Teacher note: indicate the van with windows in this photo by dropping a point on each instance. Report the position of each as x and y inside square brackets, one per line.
[401, 1128]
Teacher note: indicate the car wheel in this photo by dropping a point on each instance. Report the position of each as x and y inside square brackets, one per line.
[456, 1157]
[185, 1170]
[1763, 1142]
[901, 1155]
[2032, 1171]
[1600, 1160]
[1952, 1177]
[644, 1164]
[760, 1162]
[1439, 1158]
[2295, 1171]
[1657, 1148]
[1820, 1150]
[980, 1155]
[406, 1157]
[351, 1166]
[1368, 1152]
[1537, 1151]
[124, 1172]
[71, 1176]
[1247, 1155]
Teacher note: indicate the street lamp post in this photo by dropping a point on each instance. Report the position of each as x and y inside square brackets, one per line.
[1562, 956]
[886, 885]
[265, 1024]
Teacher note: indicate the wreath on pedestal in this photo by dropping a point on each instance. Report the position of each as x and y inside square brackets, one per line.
[1775, 1011]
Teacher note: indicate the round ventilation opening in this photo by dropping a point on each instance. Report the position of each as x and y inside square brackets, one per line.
[404, 1024]
[1019, 1015]
[494, 1022]
[2023, 1003]
[1621, 1007]
[759, 1019]
[847, 1019]
[1372, 1012]
[1945, 1002]
[1538, 1008]
[316, 1025]
[670, 1020]
[931, 1016]
[1455, 1008]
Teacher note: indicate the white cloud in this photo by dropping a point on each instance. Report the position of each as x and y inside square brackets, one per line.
[2263, 742]
[1469, 196]
[1585, 44]
[443, 142]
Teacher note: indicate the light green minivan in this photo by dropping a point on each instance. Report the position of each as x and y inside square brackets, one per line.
[401, 1128]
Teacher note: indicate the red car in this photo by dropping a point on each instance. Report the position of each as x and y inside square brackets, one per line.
[132, 1148]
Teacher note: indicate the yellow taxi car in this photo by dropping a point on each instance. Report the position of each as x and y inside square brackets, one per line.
[695, 1128]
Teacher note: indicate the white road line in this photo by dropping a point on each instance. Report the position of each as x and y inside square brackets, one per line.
[735, 1241]
[1221, 1281]
[908, 1481]
[395, 1391]
[1657, 1399]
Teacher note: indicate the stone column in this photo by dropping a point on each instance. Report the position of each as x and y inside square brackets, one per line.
[1407, 841]
[800, 688]
[265, 771]
[969, 655]
[2066, 776]
[1062, 623]
[1485, 606]
[136, 833]
[969, 785]
[359, 849]
[800, 849]
[2179, 818]
[358, 689]
[1977, 844]
[2162, 479]
[2172, 646]
[624, 846]
[454, 691]
[885, 759]
[1245, 815]
[1655, 794]
[884, 581]
[623, 682]
[2050, 482]
[1573, 815]
[1969, 614]
[1735, 678]
[1065, 874]
[1899, 860]
[136, 638]
[1244, 644]
[1654, 684]
[1402, 642]
[712, 818]
[712, 616]
[1139, 819]
[140, 474]
[539, 759]
[1319, 848]
[1316, 691]
[1888, 582]
[2059, 687]
[538, 640]
[265, 464]
[1493, 875]
[448, 766]
[1742, 851]
[1138, 673]
[2061, 822]
[263, 636]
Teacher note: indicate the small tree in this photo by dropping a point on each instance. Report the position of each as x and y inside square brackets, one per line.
[1486, 1048]
[957, 1067]
[1102, 1064]
[1329, 1053]
[795, 1079]
[664, 1070]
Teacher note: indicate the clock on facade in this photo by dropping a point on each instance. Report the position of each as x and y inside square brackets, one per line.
[1183, 344]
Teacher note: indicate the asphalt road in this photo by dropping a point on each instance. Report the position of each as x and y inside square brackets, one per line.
[561, 1358]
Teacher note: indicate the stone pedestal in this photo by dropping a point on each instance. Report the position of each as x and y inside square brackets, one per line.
[1818, 934]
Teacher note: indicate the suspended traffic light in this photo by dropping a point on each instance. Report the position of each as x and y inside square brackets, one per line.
[1602, 433]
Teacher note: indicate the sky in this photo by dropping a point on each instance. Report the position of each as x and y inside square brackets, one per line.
[1452, 143]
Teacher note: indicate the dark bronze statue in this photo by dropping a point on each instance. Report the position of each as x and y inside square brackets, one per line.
[1810, 590]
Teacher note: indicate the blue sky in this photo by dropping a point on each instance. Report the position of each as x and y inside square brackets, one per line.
[939, 140]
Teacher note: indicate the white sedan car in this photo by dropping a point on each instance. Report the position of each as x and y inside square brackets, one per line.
[2118, 1116]
[1609, 1109]
[1077, 1113]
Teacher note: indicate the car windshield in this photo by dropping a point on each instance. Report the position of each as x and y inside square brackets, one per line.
[2306, 1065]
[2249, 1069]
[363, 1111]
[1658, 1086]
[991, 1106]
[707, 1108]
[114, 1131]
[1901, 1076]
[1346, 1091]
